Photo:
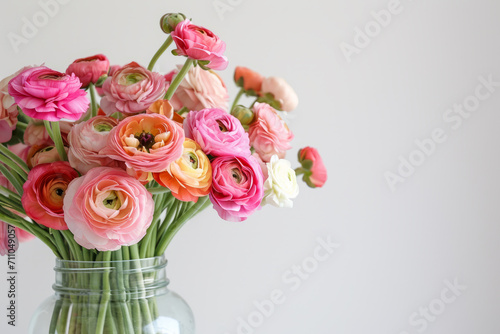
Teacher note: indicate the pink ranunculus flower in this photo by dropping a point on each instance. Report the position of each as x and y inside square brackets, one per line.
[106, 209]
[131, 90]
[36, 134]
[89, 69]
[282, 92]
[44, 192]
[217, 132]
[48, 95]
[86, 140]
[8, 111]
[269, 134]
[200, 89]
[145, 142]
[200, 44]
[237, 187]
[314, 170]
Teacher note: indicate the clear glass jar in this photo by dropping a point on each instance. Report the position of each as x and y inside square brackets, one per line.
[113, 297]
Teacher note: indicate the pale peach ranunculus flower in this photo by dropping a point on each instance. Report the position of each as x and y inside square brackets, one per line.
[282, 92]
[8, 111]
[199, 89]
[106, 209]
[190, 176]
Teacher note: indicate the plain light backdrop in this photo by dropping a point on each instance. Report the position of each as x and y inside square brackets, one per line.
[365, 109]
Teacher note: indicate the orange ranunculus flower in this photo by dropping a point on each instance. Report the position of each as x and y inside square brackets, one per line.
[164, 107]
[190, 176]
[248, 79]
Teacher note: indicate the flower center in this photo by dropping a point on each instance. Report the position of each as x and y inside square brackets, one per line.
[236, 174]
[103, 127]
[50, 77]
[222, 127]
[192, 159]
[112, 201]
[146, 140]
[133, 79]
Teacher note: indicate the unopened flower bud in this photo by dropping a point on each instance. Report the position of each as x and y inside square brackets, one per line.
[242, 113]
[169, 21]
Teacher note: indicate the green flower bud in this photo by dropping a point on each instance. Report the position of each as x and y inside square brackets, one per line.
[242, 113]
[169, 21]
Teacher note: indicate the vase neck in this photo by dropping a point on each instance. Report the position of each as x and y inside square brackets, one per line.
[128, 279]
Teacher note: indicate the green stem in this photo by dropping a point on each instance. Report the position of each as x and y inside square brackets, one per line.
[14, 167]
[202, 203]
[55, 134]
[160, 51]
[178, 79]
[156, 191]
[106, 293]
[18, 185]
[93, 101]
[55, 316]
[299, 171]
[21, 125]
[237, 98]
[61, 246]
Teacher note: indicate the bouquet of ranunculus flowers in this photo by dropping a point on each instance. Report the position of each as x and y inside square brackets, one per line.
[115, 178]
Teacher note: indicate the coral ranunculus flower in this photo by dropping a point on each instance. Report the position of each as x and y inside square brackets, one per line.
[131, 90]
[89, 69]
[190, 176]
[248, 79]
[237, 187]
[106, 208]
[314, 170]
[146, 142]
[48, 95]
[44, 193]
[199, 43]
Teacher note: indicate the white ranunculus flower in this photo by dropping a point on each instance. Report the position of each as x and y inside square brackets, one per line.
[281, 185]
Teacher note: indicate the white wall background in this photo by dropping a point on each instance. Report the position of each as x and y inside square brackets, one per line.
[397, 247]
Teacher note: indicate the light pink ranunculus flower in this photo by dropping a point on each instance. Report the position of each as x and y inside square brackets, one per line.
[145, 142]
[217, 132]
[21, 150]
[48, 95]
[132, 89]
[44, 192]
[86, 140]
[43, 155]
[237, 187]
[106, 209]
[200, 89]
[269, 134]
[282, 92]
[200, 44]
[8, 111]
[89, 69]
[36, 134]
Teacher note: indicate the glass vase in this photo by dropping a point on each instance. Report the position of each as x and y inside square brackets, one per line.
[94, 297]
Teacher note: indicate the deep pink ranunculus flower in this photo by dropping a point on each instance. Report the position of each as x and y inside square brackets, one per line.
[89, 69]
[217, 132]
[199, 43]
[48, 95]
[44, 192]
[268, 133]
[131, 90]
[237, 187]
[106, 208]
[315, 175]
